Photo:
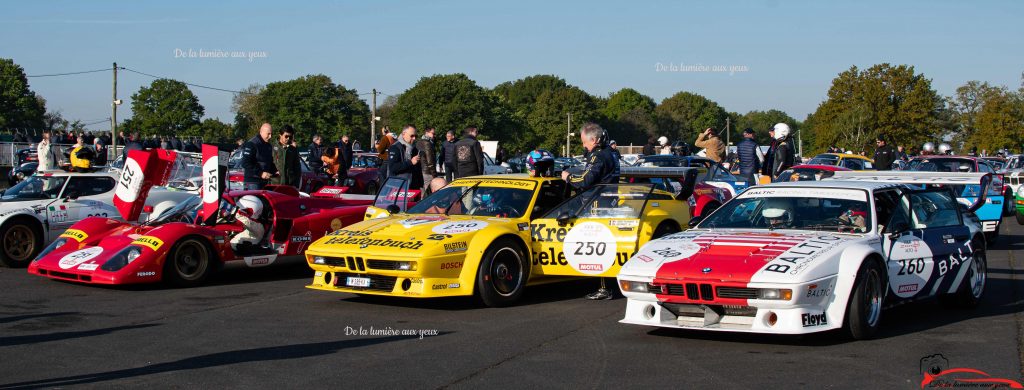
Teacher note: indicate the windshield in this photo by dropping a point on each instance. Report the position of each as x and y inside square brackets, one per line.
[182, 212]
[822, 209]
[606, 201]
[824, 159]
[366, 161]
[942, 165]
[660, 162]
[478, 198]
[394, 192]
[803, 175]
[36, 187]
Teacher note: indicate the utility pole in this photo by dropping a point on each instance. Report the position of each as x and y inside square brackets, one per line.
[727, 136]
[568, 133]
[373, 120]
[113, 115]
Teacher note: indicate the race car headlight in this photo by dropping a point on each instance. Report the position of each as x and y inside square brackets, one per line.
[405, 265]
[121, 259]
[52, 247]
[133, 253]
[639, 287]
[782, 294]
[319, 260]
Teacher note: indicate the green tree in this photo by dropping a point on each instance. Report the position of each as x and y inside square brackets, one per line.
[550, 114]
[212, 130]
[165, 107]
[452, 102]
[314, 105]
[999, 122]
[762, 121]
[19, 106]
[629, 116]
[684, 115]
[965, 105]
[891, 101]
[521, 94]
[246, 108]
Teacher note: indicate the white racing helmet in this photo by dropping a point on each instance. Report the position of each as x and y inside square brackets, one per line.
[928, 147]
[251, 204]
[781, 130]
[663, 141]
[944, 148]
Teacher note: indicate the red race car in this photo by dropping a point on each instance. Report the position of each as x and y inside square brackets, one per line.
[186, 243]
[363, 177]
[176, 248]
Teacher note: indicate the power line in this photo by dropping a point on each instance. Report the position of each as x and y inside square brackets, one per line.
[68, 73]
[187, 83]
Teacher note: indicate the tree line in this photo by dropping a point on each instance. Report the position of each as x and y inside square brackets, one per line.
[892, 101]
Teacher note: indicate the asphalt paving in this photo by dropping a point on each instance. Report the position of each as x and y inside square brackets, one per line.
[260, 328]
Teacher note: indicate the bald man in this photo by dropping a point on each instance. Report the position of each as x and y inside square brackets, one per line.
[258, 159]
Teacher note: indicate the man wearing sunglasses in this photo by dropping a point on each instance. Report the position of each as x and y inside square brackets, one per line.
[286, 159]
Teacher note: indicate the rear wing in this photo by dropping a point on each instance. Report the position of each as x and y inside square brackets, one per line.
[923, 178]
[686, 175]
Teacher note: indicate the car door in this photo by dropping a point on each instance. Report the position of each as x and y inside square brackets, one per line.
[937, 253]
[909, 258]
[591, 234]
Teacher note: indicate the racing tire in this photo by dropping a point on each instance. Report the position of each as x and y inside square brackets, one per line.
[20, 242]
[503, 272]
[371, 188]
[189, 263]
[664, 229]
[1009, 205]
[1020, 217]
[972, 287]
[864, 310]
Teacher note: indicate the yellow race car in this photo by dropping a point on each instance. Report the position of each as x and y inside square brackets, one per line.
[491, 236]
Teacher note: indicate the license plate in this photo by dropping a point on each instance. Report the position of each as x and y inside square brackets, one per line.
[357, 282]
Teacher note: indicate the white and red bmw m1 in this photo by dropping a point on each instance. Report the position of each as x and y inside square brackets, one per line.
[804, 257]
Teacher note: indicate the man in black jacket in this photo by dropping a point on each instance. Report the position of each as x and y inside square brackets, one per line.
[345, 154]
[602, 167]
[258, 159]
[404, 159]
[885, 155]
[469, 155]
[316, 152]
[749, 156]
[448, 155]
[785, 154]
[425, 149]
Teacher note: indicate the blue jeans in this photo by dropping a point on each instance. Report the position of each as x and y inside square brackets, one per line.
[251, 186]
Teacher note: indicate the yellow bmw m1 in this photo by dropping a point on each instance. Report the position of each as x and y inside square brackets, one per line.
[492, 236]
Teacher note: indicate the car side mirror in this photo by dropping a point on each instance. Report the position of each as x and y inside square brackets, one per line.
[563, 218]
[695, 220]
[899, 228]
[393, 209]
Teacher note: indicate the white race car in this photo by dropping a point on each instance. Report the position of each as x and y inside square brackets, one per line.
[39, 209]
[804, 257]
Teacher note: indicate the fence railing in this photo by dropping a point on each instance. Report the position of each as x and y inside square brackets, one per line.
[9, 152]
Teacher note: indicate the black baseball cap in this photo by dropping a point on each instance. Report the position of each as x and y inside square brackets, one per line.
[748, 131]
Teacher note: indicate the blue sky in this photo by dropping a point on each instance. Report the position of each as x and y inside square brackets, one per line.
[785, 53]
